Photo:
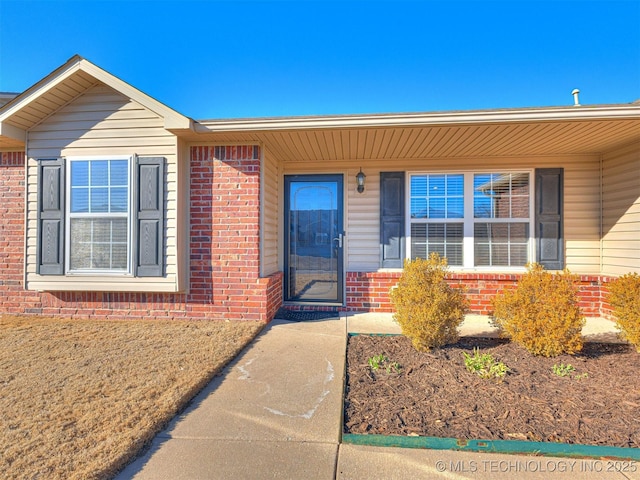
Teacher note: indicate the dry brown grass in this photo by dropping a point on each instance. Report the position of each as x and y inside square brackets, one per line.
[79, 399]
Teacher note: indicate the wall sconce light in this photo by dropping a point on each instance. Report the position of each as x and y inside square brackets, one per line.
[360, 177]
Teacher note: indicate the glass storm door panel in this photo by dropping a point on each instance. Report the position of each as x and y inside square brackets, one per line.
[314, 239]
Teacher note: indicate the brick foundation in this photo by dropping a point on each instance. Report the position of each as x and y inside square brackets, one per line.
[273, 293]
[370, 291]
[225, 278]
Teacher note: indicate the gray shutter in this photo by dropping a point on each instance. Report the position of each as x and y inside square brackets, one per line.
[392, 240]
[549, 218]
[149, 226]
[50, 248]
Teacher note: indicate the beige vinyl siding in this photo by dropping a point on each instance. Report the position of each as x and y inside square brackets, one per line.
[362, 221]
[621, 211]
[581, 195]
[581, 215]
[270, 219]
[104, 122]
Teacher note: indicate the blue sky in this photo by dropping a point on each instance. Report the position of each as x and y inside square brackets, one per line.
[229, 59]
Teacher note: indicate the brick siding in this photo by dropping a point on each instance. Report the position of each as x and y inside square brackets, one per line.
[225, 278]
[12, 178]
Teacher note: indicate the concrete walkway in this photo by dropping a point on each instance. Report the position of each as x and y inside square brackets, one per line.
[276, 412]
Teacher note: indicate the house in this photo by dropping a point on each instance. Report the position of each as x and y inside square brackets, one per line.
[114, 205]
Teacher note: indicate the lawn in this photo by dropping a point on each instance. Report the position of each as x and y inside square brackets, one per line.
[80, 399]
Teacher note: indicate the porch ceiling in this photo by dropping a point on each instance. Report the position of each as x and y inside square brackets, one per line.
[476, 134]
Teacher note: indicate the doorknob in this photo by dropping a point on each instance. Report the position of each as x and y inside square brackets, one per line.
[339, 240]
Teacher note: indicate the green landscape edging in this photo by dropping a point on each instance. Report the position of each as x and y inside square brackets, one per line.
[493, 446]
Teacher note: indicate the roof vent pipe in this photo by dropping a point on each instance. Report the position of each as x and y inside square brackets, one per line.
[576, 101]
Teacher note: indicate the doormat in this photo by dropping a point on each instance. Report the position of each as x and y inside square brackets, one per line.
[303, 315]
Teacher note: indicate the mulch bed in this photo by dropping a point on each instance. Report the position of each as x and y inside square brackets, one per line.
[434, 395]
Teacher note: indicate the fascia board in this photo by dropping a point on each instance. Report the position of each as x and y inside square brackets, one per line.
[399, 120]
[172, 119]
[39, 88]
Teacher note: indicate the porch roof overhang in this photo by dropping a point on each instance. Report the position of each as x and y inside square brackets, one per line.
[61, 87]
[581, 130]
[572, 130]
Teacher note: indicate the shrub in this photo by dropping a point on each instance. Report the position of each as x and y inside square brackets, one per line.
[624, 298]
[428, 309]
[541, 313]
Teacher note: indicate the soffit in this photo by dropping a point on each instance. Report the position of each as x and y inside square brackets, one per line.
[40, 106]
[532, 138]
[45, 104]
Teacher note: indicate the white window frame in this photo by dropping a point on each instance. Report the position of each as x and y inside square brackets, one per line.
[69, 216]
[469, 221]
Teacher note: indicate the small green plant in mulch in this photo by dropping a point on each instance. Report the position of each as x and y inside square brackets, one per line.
[381, 361]
[376, 361]
[563, 370]
[567, 370]
[484, 365]
[393, 367]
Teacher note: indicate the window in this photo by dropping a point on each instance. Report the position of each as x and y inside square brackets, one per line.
[473, 219]
[501, 219]
[437, 211]
[101, 215]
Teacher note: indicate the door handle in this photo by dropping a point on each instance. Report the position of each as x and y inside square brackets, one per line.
[339, 240]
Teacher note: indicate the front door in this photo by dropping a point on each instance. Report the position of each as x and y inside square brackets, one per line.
[314, 238]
